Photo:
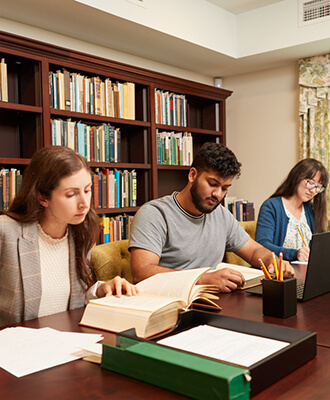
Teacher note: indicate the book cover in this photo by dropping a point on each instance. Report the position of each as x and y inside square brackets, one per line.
[100, 189]
[4, 80]
[19, 179]
[67, 98]
[134, 188]
[111, 144]
[97, 95]
[81, 138]
[96, 190]
[104, 188]
[112, 190]
[106, 128]
[105, 224]
[250, 213]
[117, 145]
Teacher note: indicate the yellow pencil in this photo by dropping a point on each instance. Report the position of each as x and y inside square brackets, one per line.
[275, 265]
[281, 267]
[264, 269]
[302, 237]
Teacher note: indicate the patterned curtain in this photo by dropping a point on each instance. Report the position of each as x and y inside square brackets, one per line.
[314, 110]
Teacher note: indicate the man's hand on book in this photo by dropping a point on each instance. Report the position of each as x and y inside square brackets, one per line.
[116, 286]
[226, 279]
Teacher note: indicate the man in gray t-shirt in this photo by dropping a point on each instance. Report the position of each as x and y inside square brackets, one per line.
[191, 229]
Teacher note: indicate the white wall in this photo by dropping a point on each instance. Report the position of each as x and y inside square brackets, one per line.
[262, 129]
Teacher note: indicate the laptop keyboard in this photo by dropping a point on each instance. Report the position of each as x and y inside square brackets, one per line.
[300, 289]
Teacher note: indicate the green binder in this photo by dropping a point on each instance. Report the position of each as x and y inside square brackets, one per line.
[184, 373]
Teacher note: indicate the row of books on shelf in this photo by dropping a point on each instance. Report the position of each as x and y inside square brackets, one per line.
[115, 228]
[243, 210]
[111, 188]
[100, 143]
[10, 183]
[114, 189]
[91, 95]
[171, 108]
[174, 148]
[3, 81]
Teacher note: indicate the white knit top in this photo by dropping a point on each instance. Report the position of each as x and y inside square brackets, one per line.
[55, 275]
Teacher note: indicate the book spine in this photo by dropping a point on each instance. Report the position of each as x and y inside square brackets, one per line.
[134, 188]
[118, 189]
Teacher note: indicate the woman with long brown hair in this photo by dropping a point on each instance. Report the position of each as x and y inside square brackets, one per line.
[46, 236]
[295, 211]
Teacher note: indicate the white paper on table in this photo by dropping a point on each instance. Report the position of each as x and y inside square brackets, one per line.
[299, 262]
[224, 345]
[24, 351]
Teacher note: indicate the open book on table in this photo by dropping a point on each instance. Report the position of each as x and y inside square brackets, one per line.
[156, 307]
[251, 275]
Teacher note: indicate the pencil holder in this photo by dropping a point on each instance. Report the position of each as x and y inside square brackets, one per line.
[279, 298]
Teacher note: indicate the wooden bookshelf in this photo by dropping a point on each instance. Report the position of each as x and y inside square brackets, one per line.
[25, 118]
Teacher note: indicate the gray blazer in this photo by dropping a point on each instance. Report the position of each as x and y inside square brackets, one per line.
[20, 275]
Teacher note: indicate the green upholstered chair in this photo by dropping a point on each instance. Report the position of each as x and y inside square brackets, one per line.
[112, 259]
[232, 258]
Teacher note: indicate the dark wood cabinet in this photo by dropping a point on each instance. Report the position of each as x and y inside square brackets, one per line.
[25, 120]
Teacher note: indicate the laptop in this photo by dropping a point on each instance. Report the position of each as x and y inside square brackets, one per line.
[317, 279]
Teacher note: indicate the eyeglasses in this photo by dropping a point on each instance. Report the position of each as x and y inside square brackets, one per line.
[310, 185]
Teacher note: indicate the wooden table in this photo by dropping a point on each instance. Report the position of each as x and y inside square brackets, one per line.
[79, 380]
[83, 380]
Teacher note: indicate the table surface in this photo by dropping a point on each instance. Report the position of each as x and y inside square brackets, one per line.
[83, 380]
[312, 315]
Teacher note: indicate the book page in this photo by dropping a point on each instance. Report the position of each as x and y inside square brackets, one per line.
[206, 293]
[139, 302]
[224, 345]
[176, 284]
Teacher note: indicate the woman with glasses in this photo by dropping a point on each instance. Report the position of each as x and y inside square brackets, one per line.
[295, 211]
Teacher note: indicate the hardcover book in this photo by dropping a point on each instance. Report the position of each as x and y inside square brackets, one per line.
[156, 307]
[251, 275]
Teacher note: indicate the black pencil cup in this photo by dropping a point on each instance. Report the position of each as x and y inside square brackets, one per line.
[279, 298]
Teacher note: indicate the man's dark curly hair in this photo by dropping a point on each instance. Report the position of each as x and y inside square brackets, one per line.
[217, 157]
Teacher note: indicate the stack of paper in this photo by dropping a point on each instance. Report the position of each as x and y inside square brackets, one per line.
[24, 351]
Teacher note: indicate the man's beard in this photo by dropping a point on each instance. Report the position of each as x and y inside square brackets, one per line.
[198, 200]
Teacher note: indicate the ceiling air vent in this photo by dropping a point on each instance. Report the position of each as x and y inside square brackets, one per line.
[313, 11]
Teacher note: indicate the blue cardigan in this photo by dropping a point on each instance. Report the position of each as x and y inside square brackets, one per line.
[272, 225]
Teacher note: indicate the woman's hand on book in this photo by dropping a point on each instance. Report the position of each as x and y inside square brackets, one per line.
[226, 279]
[116, 286]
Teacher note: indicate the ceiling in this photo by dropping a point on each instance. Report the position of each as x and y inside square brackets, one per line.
[240, 6]
[88, 24]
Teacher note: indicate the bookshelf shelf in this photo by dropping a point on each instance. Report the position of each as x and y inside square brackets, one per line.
[188, 129]
[173, 167]
[20, 107]
[98, 118]
[120, 165]
[116, 210]
[27, 119]
[14, 161]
